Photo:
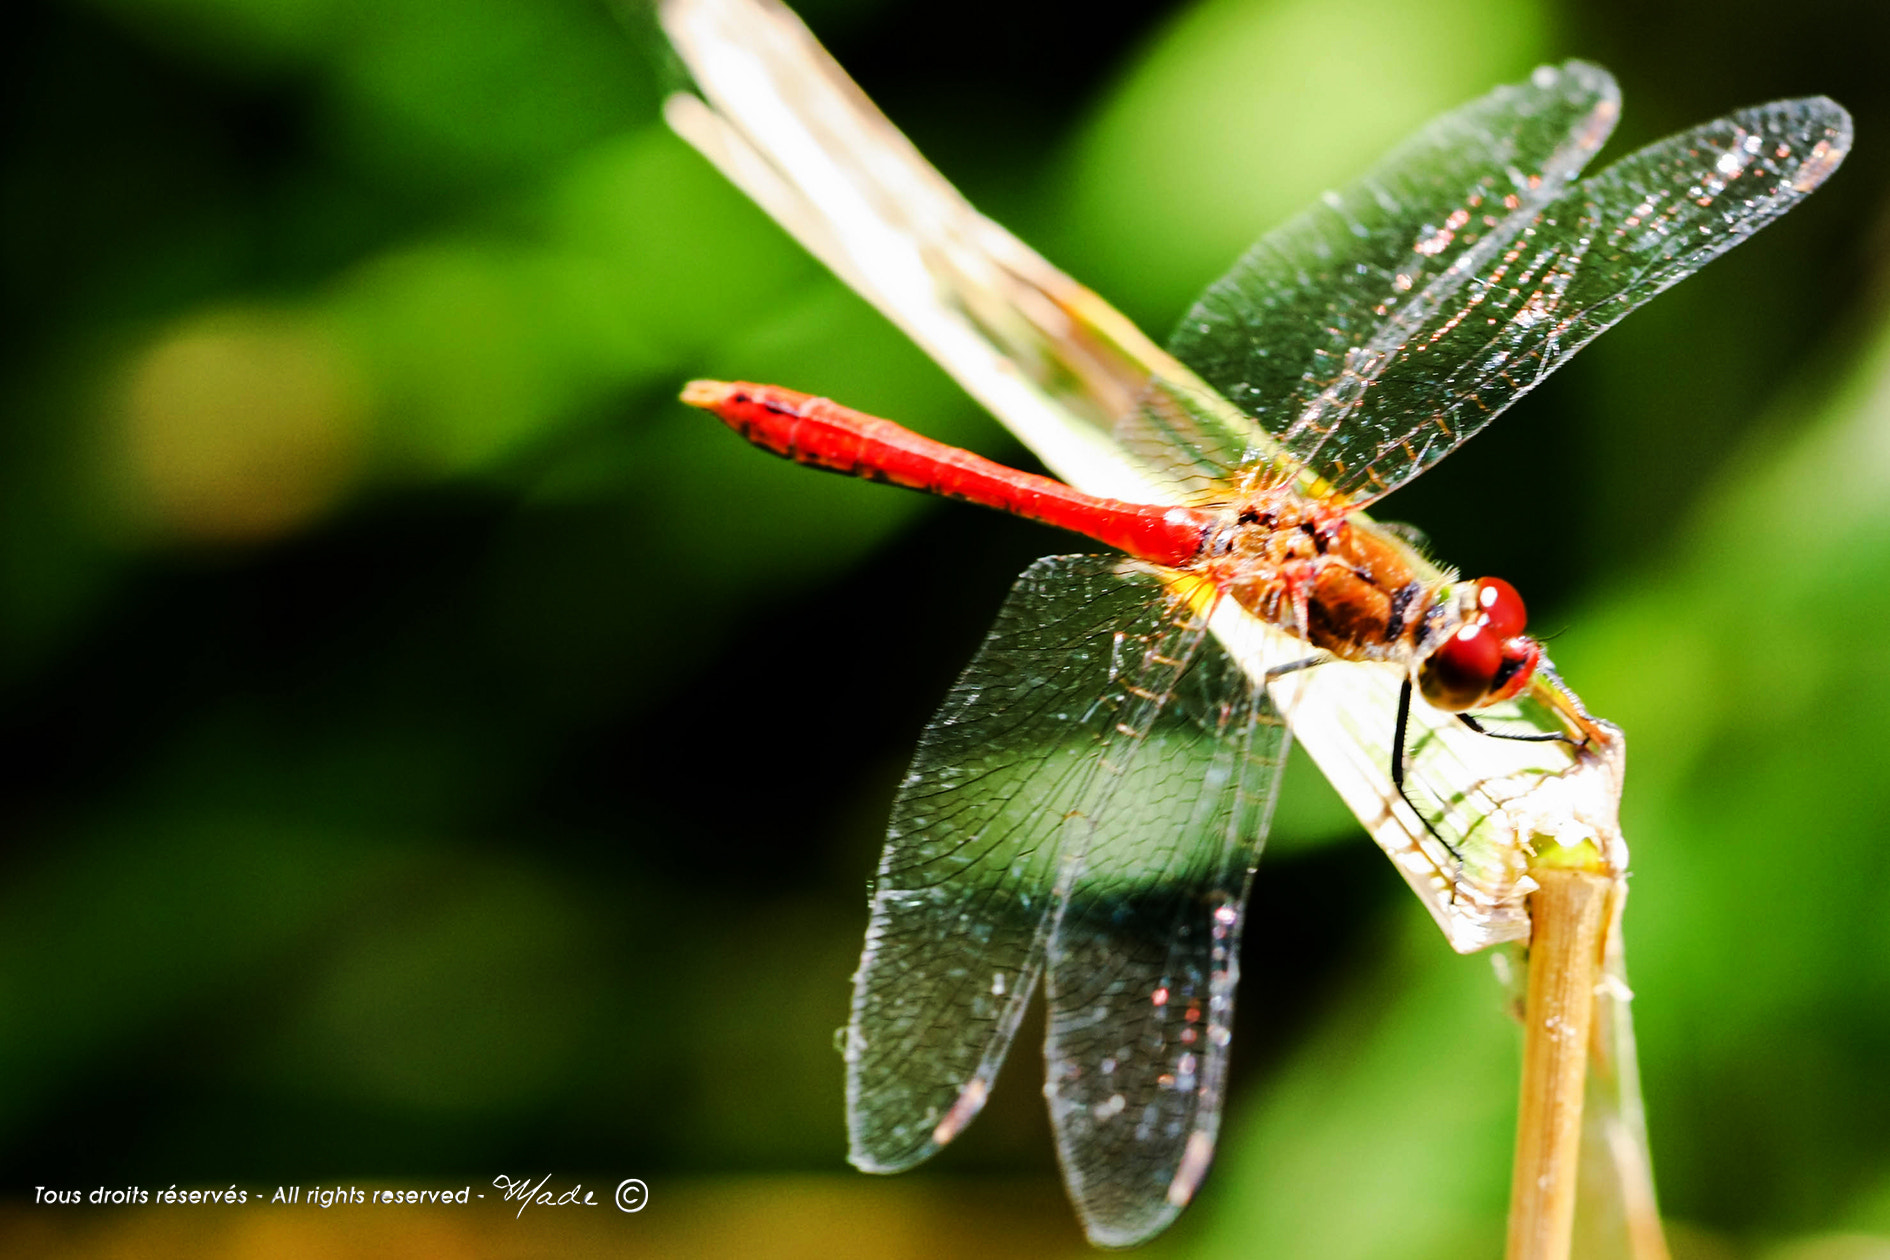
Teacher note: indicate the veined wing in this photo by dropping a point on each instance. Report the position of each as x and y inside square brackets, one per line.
[1375, 334]
[1144, 960]
[1273, 332]
[990, 827]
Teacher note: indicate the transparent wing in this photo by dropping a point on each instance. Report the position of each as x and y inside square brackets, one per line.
[1374, 335]
[1143, 962]
[988, 831]
[1274, 332]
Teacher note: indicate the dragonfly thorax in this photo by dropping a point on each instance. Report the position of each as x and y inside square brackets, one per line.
[1339, 582]
[1358, 591]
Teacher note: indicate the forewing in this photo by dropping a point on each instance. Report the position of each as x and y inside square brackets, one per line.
[1274, 334]
[1377, 408]
[1144, 959]
[989, 828]
[1578, 267]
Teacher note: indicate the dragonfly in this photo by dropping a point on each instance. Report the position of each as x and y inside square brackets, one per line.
[1085, 813]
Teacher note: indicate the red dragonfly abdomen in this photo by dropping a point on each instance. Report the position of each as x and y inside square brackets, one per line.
[823, 434]
[1310, 568]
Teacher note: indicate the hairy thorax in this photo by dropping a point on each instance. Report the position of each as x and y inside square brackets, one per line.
[1344, 584]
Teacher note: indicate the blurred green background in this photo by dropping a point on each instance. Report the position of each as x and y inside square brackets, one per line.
[435, 752]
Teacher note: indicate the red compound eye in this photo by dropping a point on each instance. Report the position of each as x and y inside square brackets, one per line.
[1501, 606]
[1521, 655]
[1459, 674]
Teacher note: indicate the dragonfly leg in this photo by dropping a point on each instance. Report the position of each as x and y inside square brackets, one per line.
[1397, 767]
[1549, 737]
[1293, 667]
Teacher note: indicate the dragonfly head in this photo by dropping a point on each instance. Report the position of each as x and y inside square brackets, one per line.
[1487, 658]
